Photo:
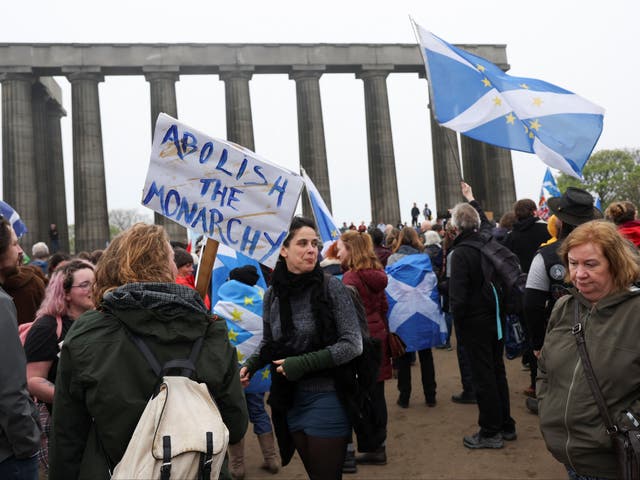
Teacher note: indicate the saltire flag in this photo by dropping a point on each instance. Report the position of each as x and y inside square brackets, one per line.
[327, 226]
[414, 303]
[13, 218]
[192, 240]
[549, 189]
[241, 306]
[226, 260]
[473, 96]
[597, 202]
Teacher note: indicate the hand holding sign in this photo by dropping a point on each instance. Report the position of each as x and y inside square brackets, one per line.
[220, 189]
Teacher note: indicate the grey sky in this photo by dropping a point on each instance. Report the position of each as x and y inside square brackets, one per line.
[584, 46]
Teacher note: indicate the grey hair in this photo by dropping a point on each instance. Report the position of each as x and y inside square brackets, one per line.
[465, 217]
[432, 238]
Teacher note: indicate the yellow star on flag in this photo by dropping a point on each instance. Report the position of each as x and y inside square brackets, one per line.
[535, 125]
[334, 234]
[531, 135]
[233, 335]
[510, 118]
[248, 301]
[496, 101]
[236, 315]
[480, 67]
[266, 373]
[240, 356]
[261, 293]
[537, 101]
[486, 82]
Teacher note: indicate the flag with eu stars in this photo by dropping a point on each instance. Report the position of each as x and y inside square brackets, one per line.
[327, 227]
[13, 218]
[226, 260]
[473, 96]
[241, 306]
[414, 303]
[549, 189]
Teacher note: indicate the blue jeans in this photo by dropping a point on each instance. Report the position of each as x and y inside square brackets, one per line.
[574, 476]
[257, 413]
[15, 469]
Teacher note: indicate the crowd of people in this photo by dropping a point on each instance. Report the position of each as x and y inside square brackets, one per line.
[73, 383]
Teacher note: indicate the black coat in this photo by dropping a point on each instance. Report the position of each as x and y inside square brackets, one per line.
[525, 239]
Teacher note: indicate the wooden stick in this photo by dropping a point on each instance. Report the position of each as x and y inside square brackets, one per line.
[205, 267]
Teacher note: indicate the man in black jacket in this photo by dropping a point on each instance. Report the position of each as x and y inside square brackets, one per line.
[473, 306]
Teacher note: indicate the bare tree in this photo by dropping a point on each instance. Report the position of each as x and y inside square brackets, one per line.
[121, 219]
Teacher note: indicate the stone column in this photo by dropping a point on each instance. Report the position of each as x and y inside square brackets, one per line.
[475, 165]
[56, 183]
[18, 155]
[238, 105]
[446, 167]
[383, 185]
[163, 100]
[501, 189]
[44, 187]
[311, 140]
[90, 193]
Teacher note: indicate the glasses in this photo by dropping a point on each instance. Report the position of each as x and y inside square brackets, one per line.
[84, 285]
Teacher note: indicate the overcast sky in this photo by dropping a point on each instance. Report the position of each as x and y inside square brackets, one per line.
[588, 47]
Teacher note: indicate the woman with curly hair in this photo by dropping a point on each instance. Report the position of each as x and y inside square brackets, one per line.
[623, 214]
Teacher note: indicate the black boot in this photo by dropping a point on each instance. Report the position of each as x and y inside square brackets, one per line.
[378, 457]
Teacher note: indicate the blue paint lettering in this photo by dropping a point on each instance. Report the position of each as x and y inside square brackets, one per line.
[230, 223]
[257, 169]
[189, 141]
[186, 212]
[278, 188]
[205, 152]
[222, 161]
[219, 192]
[243, 167]
[274, 245]
[154, 191]
[232, 197]
[215, 219]
[252, 242]
[200, 218]
[172, 134]
[171, 194]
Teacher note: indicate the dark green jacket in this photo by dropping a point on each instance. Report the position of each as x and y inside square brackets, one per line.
[569, 418]
[103, 376]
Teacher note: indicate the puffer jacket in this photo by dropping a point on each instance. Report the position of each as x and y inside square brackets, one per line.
[569, 418]
[104, 382]
[370, 284]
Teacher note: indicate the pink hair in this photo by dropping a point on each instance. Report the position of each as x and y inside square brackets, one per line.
[54, 302]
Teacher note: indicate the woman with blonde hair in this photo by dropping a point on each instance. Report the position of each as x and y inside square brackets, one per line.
[104, 382]
[624, 214]
[601, 313]
[364, 271]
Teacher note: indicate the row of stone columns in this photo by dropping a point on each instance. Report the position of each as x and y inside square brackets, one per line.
[32, 149]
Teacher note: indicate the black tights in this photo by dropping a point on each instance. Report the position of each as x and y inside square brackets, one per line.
[322, 457]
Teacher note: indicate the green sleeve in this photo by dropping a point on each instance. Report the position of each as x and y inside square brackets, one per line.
[296, 367]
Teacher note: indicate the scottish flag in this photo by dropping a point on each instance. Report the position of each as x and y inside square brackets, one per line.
[549, 189]
[414, 303]
[473, 96]
[327, 227]
[226, 260]
[241, 306]
[13, 218]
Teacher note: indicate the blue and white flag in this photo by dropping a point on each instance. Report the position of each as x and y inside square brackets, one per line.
[327, 226]
[473, 96]
[549, 189]
[13, 218]
[414, 303]
[226, 260]
[241, 306]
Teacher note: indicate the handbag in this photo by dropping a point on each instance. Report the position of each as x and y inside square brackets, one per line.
[397, 347]
[626, 442]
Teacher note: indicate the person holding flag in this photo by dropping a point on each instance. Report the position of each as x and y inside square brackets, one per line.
[240, 304]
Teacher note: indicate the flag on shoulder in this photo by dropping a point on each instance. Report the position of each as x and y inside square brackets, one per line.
[241, 306]
[327, 227]
[226, 260]
[475, 97]
[414, 303]
[13, 218]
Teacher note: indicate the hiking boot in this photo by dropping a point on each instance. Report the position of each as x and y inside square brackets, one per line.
[236, 460]
[271, 463]
[379, 457]
[477, 441]
[532, 405]
[509, 435]
[349, 465]
[464, 397]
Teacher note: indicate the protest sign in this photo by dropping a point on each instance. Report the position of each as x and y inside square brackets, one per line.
[220, 189]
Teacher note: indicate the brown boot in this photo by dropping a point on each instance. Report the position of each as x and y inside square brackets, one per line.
[236, 460]
[267, 445]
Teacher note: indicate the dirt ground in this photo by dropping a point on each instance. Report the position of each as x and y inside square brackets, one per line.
[426, 443]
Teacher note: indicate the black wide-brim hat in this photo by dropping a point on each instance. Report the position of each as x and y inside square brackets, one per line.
[574, 207]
